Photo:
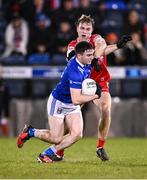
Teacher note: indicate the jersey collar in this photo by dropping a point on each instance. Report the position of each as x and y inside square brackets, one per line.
[82, 65]
[79, 41]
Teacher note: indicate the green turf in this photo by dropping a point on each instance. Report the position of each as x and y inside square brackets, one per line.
[128, 160]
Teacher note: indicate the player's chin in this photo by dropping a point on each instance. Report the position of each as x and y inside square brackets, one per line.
[89, 62]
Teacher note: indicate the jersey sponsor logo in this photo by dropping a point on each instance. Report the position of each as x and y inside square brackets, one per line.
[74, 82]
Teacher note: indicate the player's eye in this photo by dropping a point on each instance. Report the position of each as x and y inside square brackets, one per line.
[89, 55]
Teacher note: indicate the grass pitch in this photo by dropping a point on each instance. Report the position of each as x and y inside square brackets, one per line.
[128, 159]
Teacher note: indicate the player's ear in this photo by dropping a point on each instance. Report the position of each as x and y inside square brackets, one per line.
[78, 56]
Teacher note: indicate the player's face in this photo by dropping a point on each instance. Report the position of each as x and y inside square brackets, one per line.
[84, 31]
[87, 56]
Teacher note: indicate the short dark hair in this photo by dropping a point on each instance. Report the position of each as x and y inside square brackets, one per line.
[81, 47]
[85, 19]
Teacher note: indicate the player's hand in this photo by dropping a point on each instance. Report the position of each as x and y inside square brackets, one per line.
[96, 65]
[70, 55]
[123, 41]
[99, 90]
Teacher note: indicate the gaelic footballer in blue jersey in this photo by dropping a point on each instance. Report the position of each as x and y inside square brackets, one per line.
[64, 105]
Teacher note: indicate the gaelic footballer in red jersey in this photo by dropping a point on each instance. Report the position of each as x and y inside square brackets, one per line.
[99, 73]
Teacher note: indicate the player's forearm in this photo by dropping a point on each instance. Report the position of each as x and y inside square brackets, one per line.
[83, 99]
[110, 48]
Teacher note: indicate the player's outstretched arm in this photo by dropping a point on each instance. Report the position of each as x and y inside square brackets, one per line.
[120, 44]
[111, 48]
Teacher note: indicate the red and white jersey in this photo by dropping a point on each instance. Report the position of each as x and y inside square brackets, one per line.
[102, 77]
[72, 44]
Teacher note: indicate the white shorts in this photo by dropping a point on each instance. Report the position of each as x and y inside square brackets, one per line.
[60, 109]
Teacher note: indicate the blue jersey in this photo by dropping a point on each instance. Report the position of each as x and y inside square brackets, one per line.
[72, 77]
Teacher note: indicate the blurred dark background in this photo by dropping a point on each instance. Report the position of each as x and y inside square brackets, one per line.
[34, 35]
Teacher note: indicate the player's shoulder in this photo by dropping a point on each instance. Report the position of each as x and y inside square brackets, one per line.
[72, 65]
[72, 43]
[93, 36]
[74, 69]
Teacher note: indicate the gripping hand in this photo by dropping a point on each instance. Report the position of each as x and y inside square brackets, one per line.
[99, 90]
[123, 41]
[96, 65]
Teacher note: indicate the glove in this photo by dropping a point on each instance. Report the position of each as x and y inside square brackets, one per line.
[99, 90]
[123, 40]
[96, 65]
[70, 55]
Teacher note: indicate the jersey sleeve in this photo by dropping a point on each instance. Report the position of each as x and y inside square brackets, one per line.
[93, 38]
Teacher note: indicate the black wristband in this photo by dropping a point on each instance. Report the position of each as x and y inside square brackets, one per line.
[99, 90]
[96, 65]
